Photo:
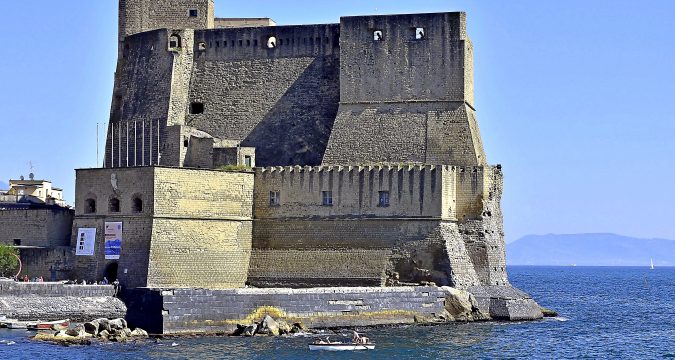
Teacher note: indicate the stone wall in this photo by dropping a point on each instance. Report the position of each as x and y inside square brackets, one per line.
[219, 311]
[55, 301]
[400, 82]
[42, 226]
[180, 238]
[252, 93]
[52, 264]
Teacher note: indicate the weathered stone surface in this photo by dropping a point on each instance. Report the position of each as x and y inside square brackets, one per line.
[118, 324]
[51, 308]
[506, 303]
[268, 326]
[138, 332]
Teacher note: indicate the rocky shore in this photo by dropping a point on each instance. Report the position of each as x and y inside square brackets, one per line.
[102, 330]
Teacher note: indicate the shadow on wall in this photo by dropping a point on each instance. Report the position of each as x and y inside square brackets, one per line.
[296, 130]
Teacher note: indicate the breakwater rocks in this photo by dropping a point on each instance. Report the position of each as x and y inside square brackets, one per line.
[55, 301]
[97, 330]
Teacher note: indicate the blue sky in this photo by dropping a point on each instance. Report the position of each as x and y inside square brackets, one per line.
[575, 99]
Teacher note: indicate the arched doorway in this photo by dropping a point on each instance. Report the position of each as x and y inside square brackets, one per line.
[111, 272]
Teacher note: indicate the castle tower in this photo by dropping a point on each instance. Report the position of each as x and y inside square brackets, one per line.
[137, 16]
[406, 92]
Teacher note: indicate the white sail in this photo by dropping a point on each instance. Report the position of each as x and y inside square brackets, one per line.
[651, 263]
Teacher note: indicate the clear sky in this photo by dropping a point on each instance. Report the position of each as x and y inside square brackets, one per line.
[576, 99]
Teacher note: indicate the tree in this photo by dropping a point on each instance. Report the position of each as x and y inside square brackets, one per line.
[8, 261]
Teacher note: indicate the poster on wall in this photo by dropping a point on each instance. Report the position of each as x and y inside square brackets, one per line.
[86, 238]
[113, 240]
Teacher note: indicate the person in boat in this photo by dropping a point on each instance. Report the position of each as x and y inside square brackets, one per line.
[358, 339]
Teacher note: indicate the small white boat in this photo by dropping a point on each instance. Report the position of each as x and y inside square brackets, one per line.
[336, 346]
[17, 325]
[652, 263]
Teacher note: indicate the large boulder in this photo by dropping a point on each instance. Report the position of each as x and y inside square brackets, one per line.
[249, 330]
[103, 324]
[118, 324]
[91, 327]
[462, 305]
[284, 327]
[506, 303]
[78, 331]
[138, 332]
[268, 327]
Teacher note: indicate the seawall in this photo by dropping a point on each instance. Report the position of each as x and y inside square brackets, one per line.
[187, 311]
[55, 301]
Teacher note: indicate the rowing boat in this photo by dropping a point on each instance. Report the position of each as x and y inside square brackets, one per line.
[340, 346]
[50, 325]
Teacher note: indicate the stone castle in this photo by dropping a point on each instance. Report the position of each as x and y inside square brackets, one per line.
[359, 153]
[244, 153]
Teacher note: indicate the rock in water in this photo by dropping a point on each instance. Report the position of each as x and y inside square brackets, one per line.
[92, 327]
[118, 324]
[458, 303]
[284, 328]
[103, 324]
[249, 330]
[268, 327]
[138, 332]
[104, 334]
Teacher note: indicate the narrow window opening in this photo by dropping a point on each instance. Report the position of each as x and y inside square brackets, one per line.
[327, 198]
[196, 108]
[274, 198]
[17, 242]
[384, 199]
[114, 205]
[378, 35]
[137, 205]
[217, 44]
[241, 43]
[247, 161]
[174, 41]
[186, 143]
[420, 33]
[248, 42]
[255, 42]
[89, 206]
[194, 12]
[271, 42]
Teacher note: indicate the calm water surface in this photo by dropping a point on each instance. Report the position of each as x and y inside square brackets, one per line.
[604, 313]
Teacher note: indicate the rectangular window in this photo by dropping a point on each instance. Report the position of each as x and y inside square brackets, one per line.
[17, 242]
[384, 199]
[194, 13]
[327, 198]
[247, 161]
[275, 199]
[197, 108]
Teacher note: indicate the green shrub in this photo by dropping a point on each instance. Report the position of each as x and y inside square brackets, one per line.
[8, 260]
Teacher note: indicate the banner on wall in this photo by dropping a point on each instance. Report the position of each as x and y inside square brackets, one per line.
[113, 240]
[86, 238]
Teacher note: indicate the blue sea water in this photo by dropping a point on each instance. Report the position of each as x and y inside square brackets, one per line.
[605, 313]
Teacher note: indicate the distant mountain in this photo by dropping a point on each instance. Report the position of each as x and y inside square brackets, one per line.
[590, 250]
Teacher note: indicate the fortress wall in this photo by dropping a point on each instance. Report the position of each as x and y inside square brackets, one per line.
[143, 15]
[254, 94]
[190, 311]
[202, 228]
[51, 264]
[414, 191]
[202, 194]
[406, 250]
[140, 103]
[136, 227]
[404, 99]
[48, 226]
[401, 68]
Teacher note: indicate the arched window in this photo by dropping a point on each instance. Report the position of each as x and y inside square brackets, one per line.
[174, 41]
[90, 206]
[137, 204]
[114, 205]
[271, 42]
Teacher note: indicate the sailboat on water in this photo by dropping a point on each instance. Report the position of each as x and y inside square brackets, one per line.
[651, 266]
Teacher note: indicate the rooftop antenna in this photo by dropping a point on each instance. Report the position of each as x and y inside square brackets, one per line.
[31, 176]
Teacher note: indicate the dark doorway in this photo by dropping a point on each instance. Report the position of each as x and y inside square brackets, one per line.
[111, 272]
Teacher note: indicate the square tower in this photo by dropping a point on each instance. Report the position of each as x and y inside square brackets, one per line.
[137, 16]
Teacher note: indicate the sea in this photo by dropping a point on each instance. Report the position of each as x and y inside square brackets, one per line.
[604, 313]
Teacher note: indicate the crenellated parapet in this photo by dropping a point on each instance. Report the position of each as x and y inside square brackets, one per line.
[380, 190]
